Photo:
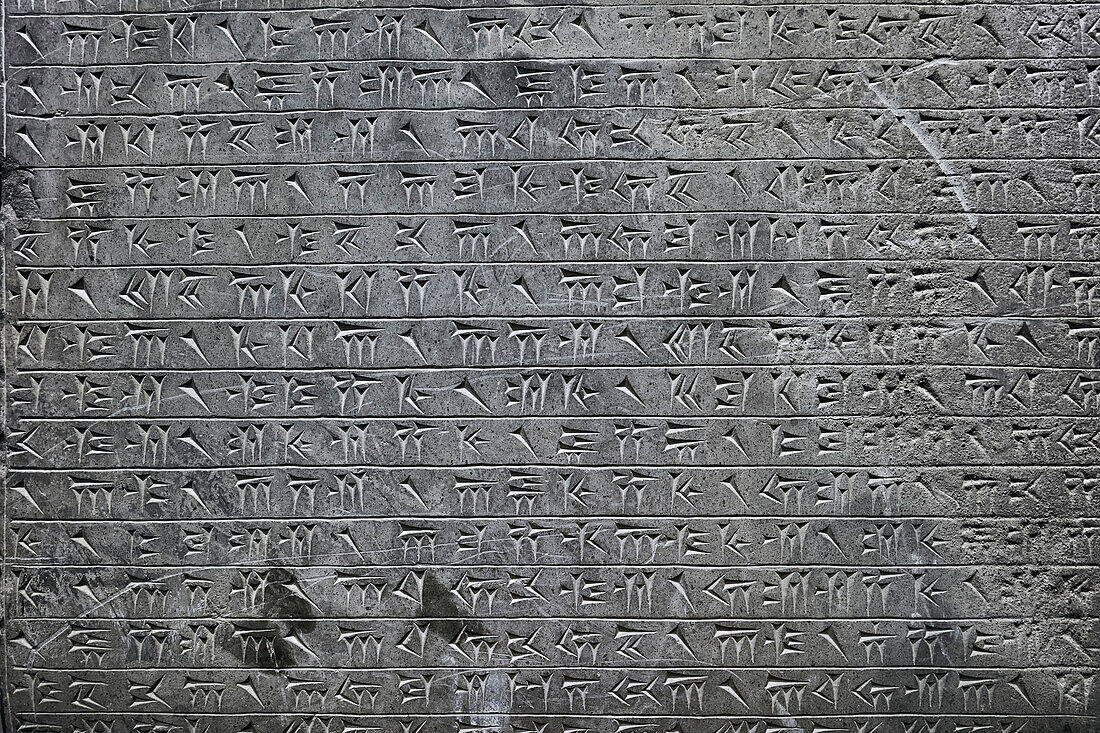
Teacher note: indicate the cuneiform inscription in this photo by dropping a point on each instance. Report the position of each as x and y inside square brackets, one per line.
[543, 368]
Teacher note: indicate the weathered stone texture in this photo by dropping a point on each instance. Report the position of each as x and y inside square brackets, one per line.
[526, 367]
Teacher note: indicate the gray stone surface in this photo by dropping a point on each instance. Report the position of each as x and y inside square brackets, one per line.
[625, 368]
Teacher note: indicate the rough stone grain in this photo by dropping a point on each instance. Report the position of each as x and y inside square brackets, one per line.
[542, 368]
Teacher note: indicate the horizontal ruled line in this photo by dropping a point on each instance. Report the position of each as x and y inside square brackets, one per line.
[549, 60]
[724, 317]
[877, 466]
[553, 263]
[576, 517]
[579, 214]
[504, 565]
[701, 619]
[641, 107]
[577, 716]
[420, 417]
[905, 366]
[268, 164]
[717, 667]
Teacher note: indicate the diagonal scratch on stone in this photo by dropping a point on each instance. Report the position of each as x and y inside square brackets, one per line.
[909, 119]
